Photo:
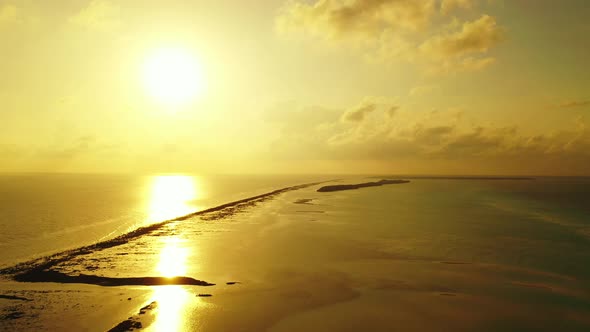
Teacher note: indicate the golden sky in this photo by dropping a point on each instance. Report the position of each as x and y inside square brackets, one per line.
[301, 86]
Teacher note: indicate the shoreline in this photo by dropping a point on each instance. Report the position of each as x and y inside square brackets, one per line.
[37, 269]
[306, 260]
[51, 279]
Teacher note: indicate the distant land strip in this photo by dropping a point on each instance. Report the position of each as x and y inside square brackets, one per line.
[433, 177]
[339, 187]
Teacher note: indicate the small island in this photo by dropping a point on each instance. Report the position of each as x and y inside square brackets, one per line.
[339, 187]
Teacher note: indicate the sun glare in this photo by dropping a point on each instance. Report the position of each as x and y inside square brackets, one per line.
[172, 196]
[173, 258]
[173, 77]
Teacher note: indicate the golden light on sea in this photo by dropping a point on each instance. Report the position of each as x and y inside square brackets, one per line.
[172, 302]
[172, 196]
[173, 258]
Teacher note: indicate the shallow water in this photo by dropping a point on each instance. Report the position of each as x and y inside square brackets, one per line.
[43, 213]
[461, 255]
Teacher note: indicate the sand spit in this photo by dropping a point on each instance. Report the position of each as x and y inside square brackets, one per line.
[55, 276]
[40, 269]
[13, 297]
[340, 187]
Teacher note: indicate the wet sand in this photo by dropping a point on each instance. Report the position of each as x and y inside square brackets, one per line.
[273, 263]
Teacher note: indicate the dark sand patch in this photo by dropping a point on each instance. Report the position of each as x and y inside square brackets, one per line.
[36, 275]
[148, 307]
[134, 322]
[455, 263]
[13, 297]
[13, 315]
[340, 187]
[306, 201]
[127, 325]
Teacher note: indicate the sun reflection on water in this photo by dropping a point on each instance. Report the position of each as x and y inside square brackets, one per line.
[178, 309]
[172, 196]
[171, 301]
[173, 257]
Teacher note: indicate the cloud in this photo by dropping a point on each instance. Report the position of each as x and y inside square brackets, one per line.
[369, 105]
[575, 103]
[8, 14]
[442, 136]
[475, 64]
[392, 110]
[474, 37]
[448, 6]
[422, 90]
[79, 146]
[11, 16]
[393, 30]
[339, 19]
[359, 113]
[463, 50]
[59, 153]
[460, 65]
[99, 15]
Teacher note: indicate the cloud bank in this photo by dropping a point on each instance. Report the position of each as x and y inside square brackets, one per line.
[370, 131]
[575, 103]
[393, 30]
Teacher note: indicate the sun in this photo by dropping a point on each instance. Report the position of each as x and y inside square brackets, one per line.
[173, 77]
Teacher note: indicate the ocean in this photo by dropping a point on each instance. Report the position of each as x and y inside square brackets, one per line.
[449, 254]
[543, 223]
[46, 213]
